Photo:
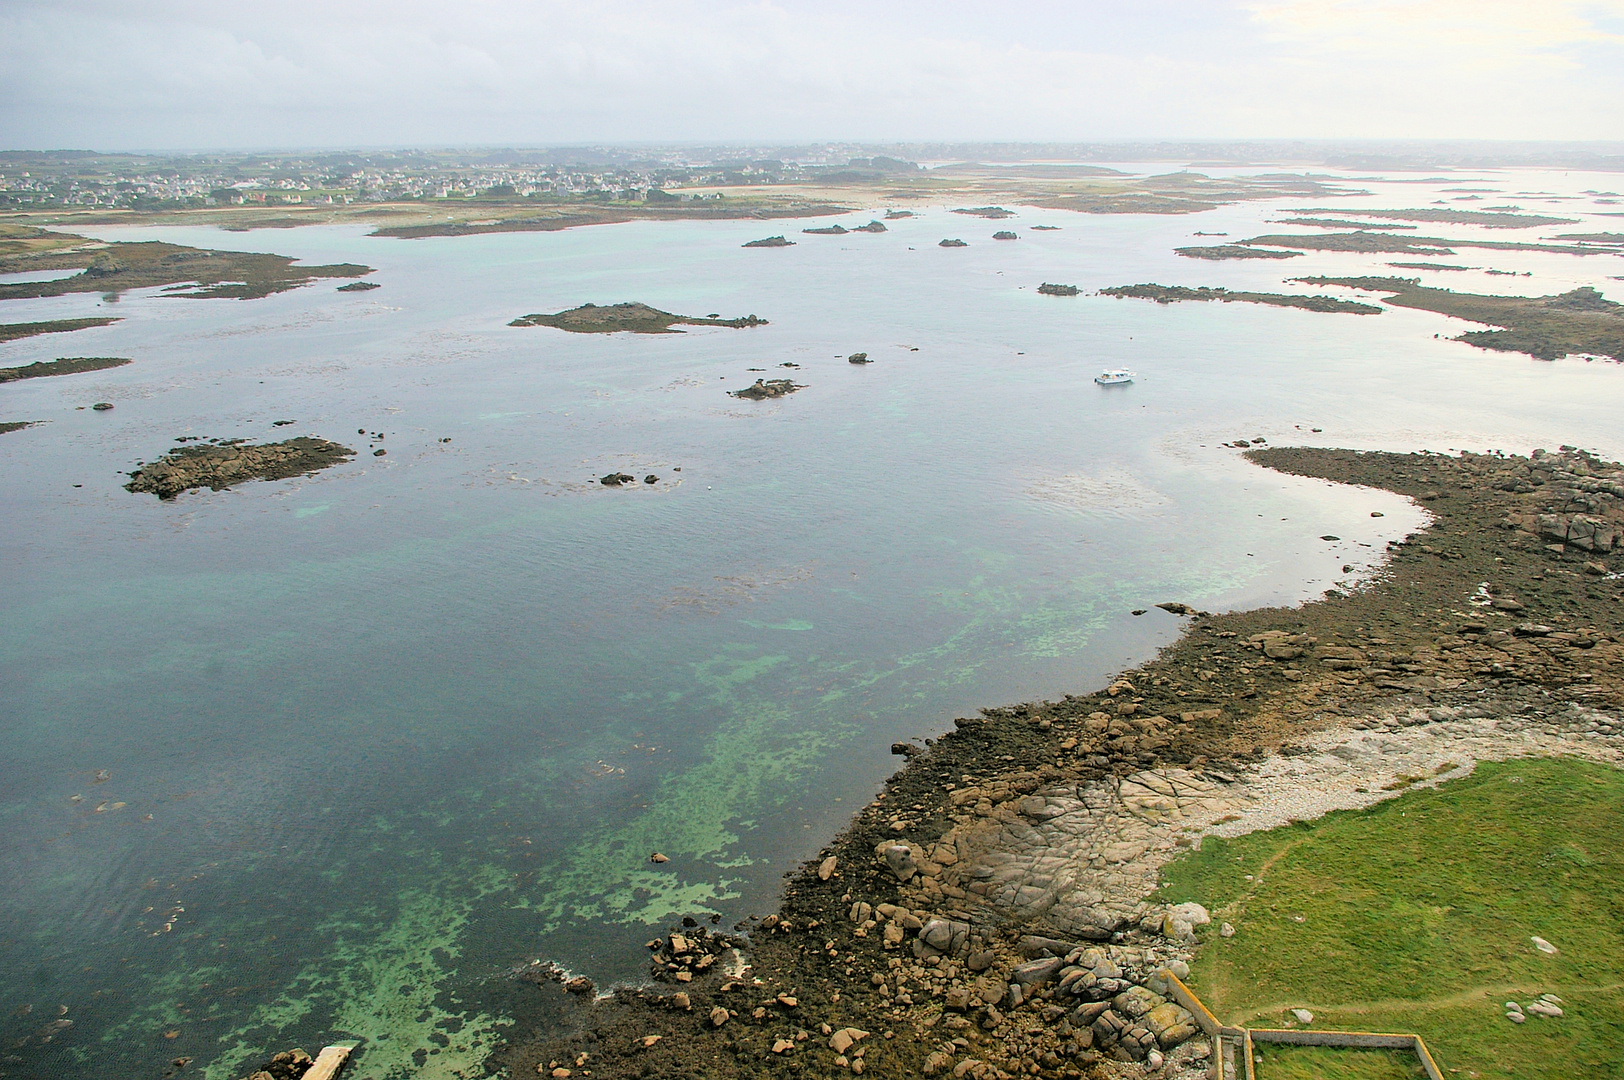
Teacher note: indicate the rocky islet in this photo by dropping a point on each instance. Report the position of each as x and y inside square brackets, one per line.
[218, 466]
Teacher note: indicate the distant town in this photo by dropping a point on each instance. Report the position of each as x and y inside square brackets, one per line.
[69, 179]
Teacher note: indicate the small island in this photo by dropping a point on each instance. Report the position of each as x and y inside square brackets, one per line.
[222, 465]
[993, 212]
[893, 215]
[762, 389]
[1057, 290]
[827, 230]
[8, 426]
[953, 243]
[359, 286]
[1005, 234]
[1171, 294]
[1232, 251]
[633, 318]
[67, 365]
[872, 226]
[770, 241]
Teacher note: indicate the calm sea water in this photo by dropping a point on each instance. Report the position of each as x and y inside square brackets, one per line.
[323, 758]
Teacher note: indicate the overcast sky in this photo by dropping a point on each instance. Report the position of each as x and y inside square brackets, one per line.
[174, 74]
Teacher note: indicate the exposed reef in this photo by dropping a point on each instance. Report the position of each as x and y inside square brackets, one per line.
[1169, 294]
[1544, 327]
[1048, 289]
[1487, 219]
[8, 426]
[67, 365]
[1430, 266]
[893, 215]
[1387, 243]
[1233, 251]
[770, 241]
[1338, 223]
[1611, 239]
[233, 462]
[993, 212]
[635, 318]
[17, 331]
[762, 389]
[183, 271]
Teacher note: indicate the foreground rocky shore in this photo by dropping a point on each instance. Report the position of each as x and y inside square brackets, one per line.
[990, 913]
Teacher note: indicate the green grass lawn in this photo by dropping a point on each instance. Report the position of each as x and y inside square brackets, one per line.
[1415, 915]
[1323, 1063]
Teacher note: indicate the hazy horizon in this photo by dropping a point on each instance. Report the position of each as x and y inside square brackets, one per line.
[183, 75]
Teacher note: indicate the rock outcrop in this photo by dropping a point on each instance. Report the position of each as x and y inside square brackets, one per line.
[223, 465]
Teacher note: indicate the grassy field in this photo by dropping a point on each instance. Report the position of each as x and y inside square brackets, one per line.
[1416, 915]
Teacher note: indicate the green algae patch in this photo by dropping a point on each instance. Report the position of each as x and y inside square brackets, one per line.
[632, 318]
[1170, 294]
[381, 978]
[1544, 327]
[1418, 914]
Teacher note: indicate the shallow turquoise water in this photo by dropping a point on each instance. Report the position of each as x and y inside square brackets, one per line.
[373, 736]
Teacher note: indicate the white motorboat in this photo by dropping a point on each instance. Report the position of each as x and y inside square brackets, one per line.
[1114, 377]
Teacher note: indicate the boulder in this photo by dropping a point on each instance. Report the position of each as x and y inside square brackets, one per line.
[899, 859]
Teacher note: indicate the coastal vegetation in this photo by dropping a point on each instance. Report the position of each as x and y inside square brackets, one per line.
[632, 317]
[1545, 327]
[1168, 294]
[16, 331]
[1421, 913]
[67, 365]
[181, 270]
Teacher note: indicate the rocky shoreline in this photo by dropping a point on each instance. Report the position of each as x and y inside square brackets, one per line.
[990, 913]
